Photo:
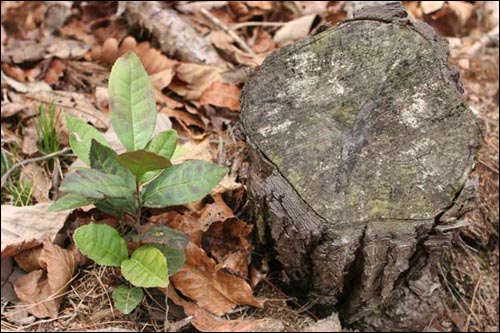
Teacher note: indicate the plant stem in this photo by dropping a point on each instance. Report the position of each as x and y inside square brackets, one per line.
[139, 205]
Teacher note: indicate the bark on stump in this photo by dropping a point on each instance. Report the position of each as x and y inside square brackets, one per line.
[360, 152]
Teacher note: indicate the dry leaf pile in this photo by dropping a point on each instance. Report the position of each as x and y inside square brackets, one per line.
[198, 54]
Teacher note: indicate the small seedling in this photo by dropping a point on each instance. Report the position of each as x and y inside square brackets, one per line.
[123, 184]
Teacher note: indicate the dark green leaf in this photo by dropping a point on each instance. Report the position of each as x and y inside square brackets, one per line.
[116, 206]
[141, 161]
[161, 234]
[95, 184]
[183, 183]
[70, 201]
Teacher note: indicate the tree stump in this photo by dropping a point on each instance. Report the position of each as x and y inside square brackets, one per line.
[360, 149]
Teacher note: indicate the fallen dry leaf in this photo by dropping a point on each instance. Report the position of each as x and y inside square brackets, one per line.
[41, 290]
[228, 183]
[228, 242]
[25, 227]
[222, 95]
[295, 29]
[429, 7]
[20, 51]
[194, 79]
[29, 260]
[206, 322]
[196, 222]
[29, 145]
[163, 78]
[211, 289]
[29, 87]
[75, 104]
[40, 181]
[263, 42]
[196, 151]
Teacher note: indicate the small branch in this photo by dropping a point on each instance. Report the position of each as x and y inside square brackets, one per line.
[166, 323]
[139, 205]
[31, 160]
[227, 30]
[256, 24]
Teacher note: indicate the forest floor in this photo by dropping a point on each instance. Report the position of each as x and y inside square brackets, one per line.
[62, 52]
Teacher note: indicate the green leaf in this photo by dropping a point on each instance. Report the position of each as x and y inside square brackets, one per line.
[70, 201]
[179, 152]
[103, 158]
[146, 268]
[96, 184]
[101, 243]
[132, 102]
[163, 144]
[116, 206]
[81, 136]
[175, 259]
[161, 234]
[142, 161]
[183, 183]
[127, 299]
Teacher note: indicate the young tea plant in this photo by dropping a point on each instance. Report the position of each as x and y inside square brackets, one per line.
[124, 184]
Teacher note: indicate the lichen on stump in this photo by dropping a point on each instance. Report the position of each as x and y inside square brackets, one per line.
[360, 149]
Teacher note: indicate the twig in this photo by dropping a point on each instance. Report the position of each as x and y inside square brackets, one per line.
[256, 24]
[471, 308]
[492, 35]
[227, 30]
[180, 324]
[488, 166]
[166, 323]
[31, 160]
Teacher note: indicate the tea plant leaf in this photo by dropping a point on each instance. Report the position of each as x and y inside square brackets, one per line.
[70, 201]
[183, 183]
[163, 144]
[132, 102]
[179, 152]
[81, 137]
[175, 259]
[116, 206]
[146, 268]
[127, 299]
[101, 243]
[96, 184]
[161, 234]
[142, 161]
[103, 158]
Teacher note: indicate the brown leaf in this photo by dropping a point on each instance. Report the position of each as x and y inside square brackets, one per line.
[194, 79]
[25, 227]
[76, 104]
[222, 95]
[429, 7]
[40, 181]
[196, 222]
[30, 138]
[163, 78]
[29, 260]
[263, 42]
[295, 29]
[206, 322]
[228, 183]
[41, 290]
[228, 242]
[211, 289]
